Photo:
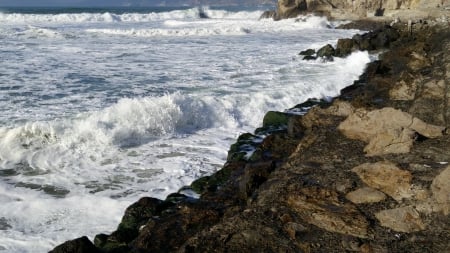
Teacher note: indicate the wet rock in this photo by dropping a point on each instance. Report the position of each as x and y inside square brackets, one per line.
[309, 58]
[4, 225]
[79, 245]
[308, 52]
[386, 177]
[275, 119]
[322, 208]
[403, 219]
[345, 47]
[136, 216]
[268, 14]
[365, 195]
[326, 52]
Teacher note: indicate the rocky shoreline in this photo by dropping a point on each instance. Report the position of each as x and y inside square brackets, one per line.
[366, 172]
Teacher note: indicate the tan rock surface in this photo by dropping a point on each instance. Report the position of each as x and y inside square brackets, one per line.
[365, 195]
[441, 190]
[386, 177]
[403, 219]
[403, 91]
[387, 130]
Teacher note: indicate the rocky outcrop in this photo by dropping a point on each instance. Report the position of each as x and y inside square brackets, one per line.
[312, 184]
[356, 9]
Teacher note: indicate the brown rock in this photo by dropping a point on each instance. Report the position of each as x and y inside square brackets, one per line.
[293, 228]
[386, 177]
[403, 219]
[365, 195]
[79, 245]
[321, 207]
[290, 8]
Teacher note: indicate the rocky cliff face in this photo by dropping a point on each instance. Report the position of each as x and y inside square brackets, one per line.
[368, 172]
[411, 9]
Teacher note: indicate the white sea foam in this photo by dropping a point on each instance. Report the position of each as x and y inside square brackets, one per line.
[101, 109]
[108, 17]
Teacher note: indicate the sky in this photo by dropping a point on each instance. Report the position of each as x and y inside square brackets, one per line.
[73, 3]
[111, 3]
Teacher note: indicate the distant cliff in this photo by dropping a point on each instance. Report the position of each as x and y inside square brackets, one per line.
[357, 9]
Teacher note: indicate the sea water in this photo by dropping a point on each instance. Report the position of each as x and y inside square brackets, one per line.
[101, 107]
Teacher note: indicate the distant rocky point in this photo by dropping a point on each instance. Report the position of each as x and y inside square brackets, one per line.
[358, 9]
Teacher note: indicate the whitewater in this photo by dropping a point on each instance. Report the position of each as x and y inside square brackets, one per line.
[100, 108]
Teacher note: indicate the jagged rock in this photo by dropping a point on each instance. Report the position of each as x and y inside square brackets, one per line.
[322, 208]
[441, 190]
[79, 245]
[255, 175]
[386, 177]
[326, 52]
[309, 58]
[268, 14]
[308, 52]
[365, 195]
[136, 216]
[386, 130]
[290, 8]
[403, 219]
[345, 47]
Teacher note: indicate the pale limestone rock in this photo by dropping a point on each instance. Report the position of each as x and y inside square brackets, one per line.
[387, 130]
[403, 91]
[392, 141]
[322, 208]
[441, 190]
[403, 219]
[365, 195]
[386, 177]
[434, 89]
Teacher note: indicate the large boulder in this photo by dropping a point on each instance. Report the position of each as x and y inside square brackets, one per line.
[326, 51]
[290, 8]
[387, 130]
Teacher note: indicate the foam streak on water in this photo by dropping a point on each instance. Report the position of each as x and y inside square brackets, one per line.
[100, 109]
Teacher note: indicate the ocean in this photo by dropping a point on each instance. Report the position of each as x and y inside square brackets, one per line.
[99, 107]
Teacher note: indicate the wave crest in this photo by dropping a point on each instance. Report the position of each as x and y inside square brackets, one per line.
[107, 17]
